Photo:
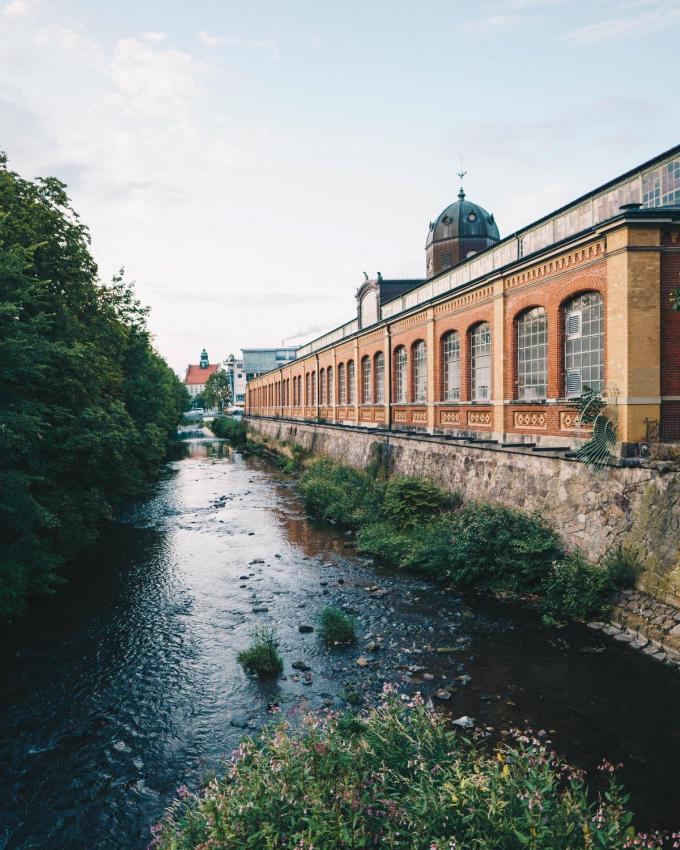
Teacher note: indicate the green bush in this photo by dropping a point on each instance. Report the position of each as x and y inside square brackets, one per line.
[426, 548]
[336, 627]
[340, 494]
[232, 429]
[499, 548]
[411, 501]
[576, 589]
[397, 778]
[623, 566]
[262, 656]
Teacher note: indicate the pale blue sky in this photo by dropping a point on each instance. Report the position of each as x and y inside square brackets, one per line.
[246, 162]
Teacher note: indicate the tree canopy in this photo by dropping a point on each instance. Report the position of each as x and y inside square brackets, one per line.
[217, 392]
[86, 403]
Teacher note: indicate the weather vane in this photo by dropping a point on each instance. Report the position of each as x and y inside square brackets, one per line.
[461, 174]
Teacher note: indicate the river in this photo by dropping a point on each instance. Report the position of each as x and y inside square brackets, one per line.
[125, 685]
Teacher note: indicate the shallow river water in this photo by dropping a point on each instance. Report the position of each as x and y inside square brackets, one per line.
[125, 685]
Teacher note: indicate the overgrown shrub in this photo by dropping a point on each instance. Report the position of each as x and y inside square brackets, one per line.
[411, 501]
[425, 548]
[232, 429]
[499, 548]
[295, 462]
[262, 656]
[340, 494]
[397, 778]
[576, 589]
[623, 566]
[336, 627]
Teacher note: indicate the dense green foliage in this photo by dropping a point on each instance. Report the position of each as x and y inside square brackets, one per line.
[336, 627]
[340, 494]
[86, 404]
[262, 656]
[217, 393]
[396, 778]
[412, 524]
[233, 429]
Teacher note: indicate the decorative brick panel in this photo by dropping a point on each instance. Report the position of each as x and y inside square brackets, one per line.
[449, 417]
[479, 417]
[531, 419]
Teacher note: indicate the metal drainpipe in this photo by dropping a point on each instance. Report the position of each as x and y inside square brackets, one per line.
[318, 388]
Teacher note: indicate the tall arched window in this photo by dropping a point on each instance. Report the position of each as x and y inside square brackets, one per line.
[480, 362]
[419, 371]
[400, 382]
[314, 389]
[342, 392]
[308, 389]
[532, 354]
[379, 366]
[584, 344]
[351, 383]
[331, 385]
[366, 380]
[451, 364]
[322, 386]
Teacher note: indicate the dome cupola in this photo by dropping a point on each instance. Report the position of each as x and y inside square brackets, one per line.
[460, 231]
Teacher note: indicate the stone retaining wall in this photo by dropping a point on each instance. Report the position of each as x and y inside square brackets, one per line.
[637, 506]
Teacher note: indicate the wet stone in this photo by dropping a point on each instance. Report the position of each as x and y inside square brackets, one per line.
[260, 609]
[305, 629]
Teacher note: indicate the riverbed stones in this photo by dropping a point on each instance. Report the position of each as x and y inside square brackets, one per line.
[300, 665]
[305, 629]
[362, 662]
[464, 722]
[442, 694]
[260, 609]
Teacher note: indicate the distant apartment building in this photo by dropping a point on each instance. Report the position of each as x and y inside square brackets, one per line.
[197, 374]
[237, 381]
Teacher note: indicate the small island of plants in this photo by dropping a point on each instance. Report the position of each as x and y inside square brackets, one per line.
[397, 777]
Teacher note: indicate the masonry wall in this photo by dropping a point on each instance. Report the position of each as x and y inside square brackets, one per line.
[637, 506]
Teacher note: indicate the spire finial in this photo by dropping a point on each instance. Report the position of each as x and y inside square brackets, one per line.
[461, 174]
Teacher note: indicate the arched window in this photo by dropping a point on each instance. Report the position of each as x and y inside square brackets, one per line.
[351, 383]
[331, 385]
[400, 382]
[308, 389]
[532, 354]
[451, 364]
[342, 392]
[313, 389]
[584, 344]
[419, 371]
[480, 362]
[322, 386]
[366, 380]
[379, 366]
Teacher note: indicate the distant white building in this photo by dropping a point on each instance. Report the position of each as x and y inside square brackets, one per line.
[237, 381]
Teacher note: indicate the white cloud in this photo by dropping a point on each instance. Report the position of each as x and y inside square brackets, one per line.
[644, 23]
[495, 23]
[16, 9]
[153, 78]
[154, 37]
[268, 46]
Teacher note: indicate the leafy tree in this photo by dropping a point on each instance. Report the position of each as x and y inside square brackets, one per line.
[86, 404]
[217, 392]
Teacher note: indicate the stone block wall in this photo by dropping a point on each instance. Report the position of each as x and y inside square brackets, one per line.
[636, 506]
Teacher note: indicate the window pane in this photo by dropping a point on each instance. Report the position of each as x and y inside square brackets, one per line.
[419, 372]
[451, 346]
[400, 392]
[366, 380]
[532, 354]
[379, 378]
[584, 356]
[480, 362]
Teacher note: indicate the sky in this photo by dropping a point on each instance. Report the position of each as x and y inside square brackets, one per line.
[247, 162]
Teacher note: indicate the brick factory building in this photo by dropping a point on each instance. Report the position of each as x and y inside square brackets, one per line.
[503, 334]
